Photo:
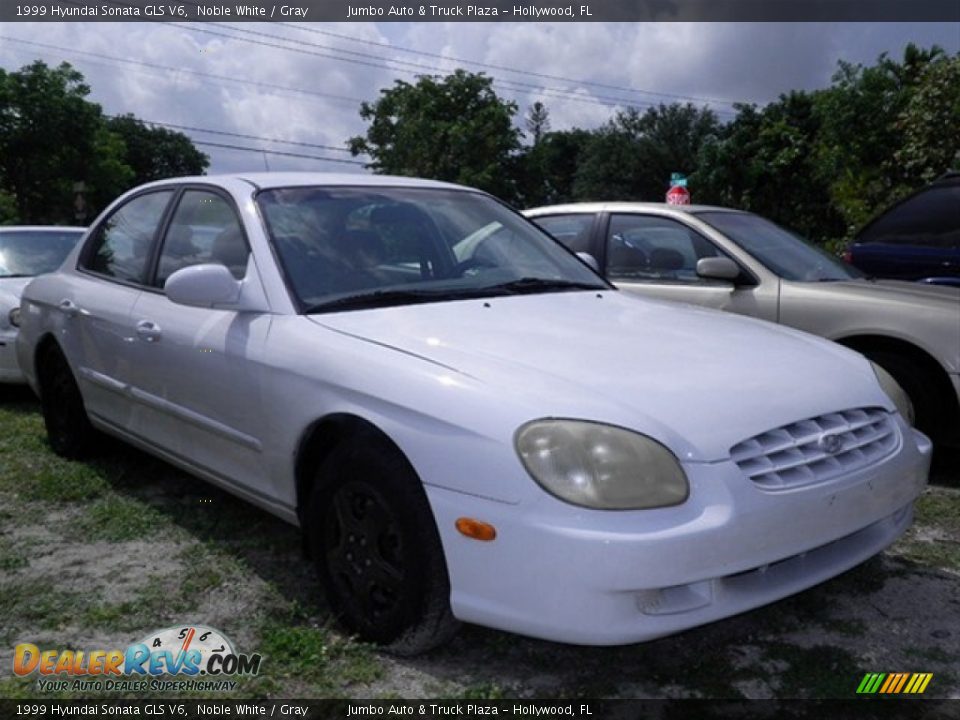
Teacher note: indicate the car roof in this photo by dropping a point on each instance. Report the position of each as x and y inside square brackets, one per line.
[592, 207]
[270, 180]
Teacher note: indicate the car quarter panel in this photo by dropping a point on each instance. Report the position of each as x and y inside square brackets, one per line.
[930, 321]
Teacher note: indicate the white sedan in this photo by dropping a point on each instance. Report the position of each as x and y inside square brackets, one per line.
[25, 251]
[502, 439]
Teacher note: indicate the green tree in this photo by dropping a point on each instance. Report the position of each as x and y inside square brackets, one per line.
[929, 123]
[633, 156]
[548, 169]
[51, 137]
[862, 131]
[455, 129]
[155, 153]
[765, 162]
[538, 121]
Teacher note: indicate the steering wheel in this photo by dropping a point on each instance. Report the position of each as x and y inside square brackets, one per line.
[461, 268]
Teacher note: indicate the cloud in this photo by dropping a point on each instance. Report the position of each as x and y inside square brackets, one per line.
[707, 61]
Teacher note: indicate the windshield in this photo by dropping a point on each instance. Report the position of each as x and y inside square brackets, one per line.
[25, 253]
[781, 251]
[344, 248]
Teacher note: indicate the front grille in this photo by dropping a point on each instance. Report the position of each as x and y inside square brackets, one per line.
[816, 450]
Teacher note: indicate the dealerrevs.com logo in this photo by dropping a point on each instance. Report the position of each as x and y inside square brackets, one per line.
[183, 652]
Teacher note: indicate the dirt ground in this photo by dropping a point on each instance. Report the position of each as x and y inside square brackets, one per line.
[96, 555]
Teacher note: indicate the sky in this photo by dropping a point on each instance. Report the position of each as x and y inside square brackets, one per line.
[303, 83]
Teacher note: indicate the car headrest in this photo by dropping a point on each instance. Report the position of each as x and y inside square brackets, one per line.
[665, 259]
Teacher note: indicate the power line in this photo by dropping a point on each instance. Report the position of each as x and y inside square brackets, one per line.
[493, 66]
[556, 92]
[168, 68]
[547, 92]
[278, 152]
[477, 63]
[240, 135]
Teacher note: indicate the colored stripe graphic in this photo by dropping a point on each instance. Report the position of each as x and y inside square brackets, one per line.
[871, 683]
[891, 680]
[894, 683]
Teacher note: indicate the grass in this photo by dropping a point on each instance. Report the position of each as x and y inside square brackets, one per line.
[116, 519]
[11, 556]
[934, 539]
[318, 657]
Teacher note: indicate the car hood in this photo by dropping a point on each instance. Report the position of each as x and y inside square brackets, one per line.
[14, 286]
[10, 291]
[698, 380]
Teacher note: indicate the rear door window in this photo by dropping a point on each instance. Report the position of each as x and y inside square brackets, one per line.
[573, 230]
[120, 247]
[929, 219]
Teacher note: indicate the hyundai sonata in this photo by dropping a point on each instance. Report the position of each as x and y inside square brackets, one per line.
[464, 430]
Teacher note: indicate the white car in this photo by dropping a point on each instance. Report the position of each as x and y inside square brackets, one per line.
[504, 440]
[25, 251]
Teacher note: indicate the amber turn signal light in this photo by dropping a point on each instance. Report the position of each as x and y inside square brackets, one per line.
[476, 529]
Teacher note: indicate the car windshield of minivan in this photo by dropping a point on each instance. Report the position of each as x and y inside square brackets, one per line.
[357, 248]
[25, 253]
[782, 252]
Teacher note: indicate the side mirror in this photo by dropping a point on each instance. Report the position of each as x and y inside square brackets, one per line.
[718, 268]
[208, 285]
[589, 260]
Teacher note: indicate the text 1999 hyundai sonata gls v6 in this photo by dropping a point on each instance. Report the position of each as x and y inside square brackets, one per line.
[467, 422]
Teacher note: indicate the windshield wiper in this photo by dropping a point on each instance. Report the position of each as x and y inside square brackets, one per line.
[535, 284]
[15, 275]
[385, 298]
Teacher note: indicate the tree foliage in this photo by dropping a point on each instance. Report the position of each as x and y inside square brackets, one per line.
[765, 162]
[53, 139]
[455, 129]
[538, 121]
[633, 156]
[49, 140]
[862, 140]
[548, 168]
[154, 153]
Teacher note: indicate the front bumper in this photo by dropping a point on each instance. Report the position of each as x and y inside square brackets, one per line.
[10, 371]
[605, 578]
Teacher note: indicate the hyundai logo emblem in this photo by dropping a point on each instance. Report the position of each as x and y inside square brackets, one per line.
[830, 443]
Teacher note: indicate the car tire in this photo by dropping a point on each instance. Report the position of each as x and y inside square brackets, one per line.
[927, 407]
[69, 431]
[377, 550]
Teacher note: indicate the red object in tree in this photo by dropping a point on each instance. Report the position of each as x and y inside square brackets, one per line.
[678, 195]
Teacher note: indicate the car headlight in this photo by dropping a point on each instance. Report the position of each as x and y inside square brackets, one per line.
[600, 466]
[14, 317]
[896, 393]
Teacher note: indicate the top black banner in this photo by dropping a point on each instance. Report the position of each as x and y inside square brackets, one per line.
[497, 11]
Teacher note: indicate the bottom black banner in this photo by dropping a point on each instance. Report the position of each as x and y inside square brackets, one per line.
[886, 708]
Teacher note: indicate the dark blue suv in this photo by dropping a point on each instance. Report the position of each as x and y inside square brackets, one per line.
[916, 239]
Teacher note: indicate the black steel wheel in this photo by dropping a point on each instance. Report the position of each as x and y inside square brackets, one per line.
[928, 407]
[377, 550]
[69, 431]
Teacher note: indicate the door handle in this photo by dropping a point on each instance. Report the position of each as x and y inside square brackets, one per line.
[148, 330]
[68, 307]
